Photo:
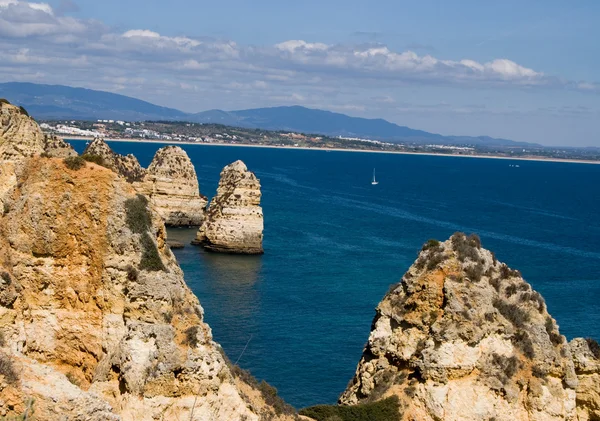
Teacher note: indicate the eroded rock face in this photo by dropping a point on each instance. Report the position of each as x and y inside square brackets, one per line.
[20, 135]
[586, 355]
[96, 321]
[234, 220]
[55, 147]
[172, 186]
[463, 337]
[126, 166]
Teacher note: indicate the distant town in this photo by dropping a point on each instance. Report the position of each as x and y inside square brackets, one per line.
[169, 131]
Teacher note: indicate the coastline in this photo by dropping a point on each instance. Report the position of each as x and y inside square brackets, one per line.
[538, 159]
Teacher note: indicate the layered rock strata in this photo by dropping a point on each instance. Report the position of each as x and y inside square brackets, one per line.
[464, 337]
[126, 166]
[96, 321]
[234, 220]
[586, 356]
[21, 137]
[171, 185]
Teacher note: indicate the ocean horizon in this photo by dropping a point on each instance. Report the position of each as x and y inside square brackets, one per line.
[299, 316]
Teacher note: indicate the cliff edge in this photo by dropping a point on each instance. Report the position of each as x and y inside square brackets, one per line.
[96, 321]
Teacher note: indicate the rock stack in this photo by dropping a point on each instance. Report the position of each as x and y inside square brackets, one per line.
[464, 337]
[171, 185]
[234, 220]
[126, 166]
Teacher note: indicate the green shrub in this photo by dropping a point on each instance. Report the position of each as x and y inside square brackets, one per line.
[384, 410]
[474, 241]
[506, 272]
[431, 244]
[495, 282]
[511, 312]
[466, 247]
[23, 111]
[191, 336]
[594, 347]
[523, 342]
[510, 290]
[474, 272]
[74, 162]
[151, 260]
[137, 215]
[435, 260]
[555, 338]
[7, 369]
[96, 159]
[269, 394]
[4, 101]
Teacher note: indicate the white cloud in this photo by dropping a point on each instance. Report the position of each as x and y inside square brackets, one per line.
[20, 19]
[37, 40]
[292, 46]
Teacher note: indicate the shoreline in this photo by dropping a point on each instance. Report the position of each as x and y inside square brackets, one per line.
[538, 159]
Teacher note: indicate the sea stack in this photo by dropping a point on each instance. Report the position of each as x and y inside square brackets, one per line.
[464, 337]
[171, 185]
[126, 166]
[234, 220]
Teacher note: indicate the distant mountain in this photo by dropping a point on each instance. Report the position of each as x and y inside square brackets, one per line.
[63, 102]
[309, 120]
[49, 102]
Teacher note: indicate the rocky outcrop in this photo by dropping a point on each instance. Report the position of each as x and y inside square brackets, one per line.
[96, 321]
[126, 166]
[586, 356]
[21, 137]
[464, 337]
[55, 147]
[171, 185]
[234, 220]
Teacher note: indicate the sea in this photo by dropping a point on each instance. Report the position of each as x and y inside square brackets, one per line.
[299, 316]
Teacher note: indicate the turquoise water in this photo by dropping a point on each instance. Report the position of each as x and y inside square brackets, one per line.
[334, 244]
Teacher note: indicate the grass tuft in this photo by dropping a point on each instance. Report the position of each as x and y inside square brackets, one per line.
[74, 162]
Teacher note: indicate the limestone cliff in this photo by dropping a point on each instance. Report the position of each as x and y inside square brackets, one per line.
[20, 135]
[126, 166]
[96, 321]
[234, 220]
[586, 355]
[171, 185]
[463, 337]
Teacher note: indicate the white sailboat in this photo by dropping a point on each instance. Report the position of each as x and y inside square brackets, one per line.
[374, 182]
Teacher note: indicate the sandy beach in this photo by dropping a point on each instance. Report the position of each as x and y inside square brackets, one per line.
[532, 158]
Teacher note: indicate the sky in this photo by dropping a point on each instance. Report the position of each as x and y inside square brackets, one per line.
[521, 70]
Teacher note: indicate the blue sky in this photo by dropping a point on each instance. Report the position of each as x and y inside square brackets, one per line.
[519, 70]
